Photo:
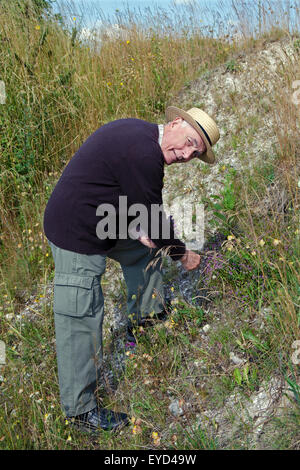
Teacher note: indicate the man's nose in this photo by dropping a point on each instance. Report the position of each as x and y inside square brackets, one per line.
[187, 152]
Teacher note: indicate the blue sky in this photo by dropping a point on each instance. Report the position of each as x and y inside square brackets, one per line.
[208, 14]
[89, 12]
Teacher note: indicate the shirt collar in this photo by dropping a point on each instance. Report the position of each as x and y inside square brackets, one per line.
[161, 133]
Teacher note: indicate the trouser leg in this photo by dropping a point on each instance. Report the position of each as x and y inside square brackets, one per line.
[143, 278]
[78, 315]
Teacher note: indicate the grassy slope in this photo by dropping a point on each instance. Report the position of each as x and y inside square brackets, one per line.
[55, 104]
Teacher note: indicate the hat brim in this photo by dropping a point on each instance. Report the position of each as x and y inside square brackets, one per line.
[173, 112]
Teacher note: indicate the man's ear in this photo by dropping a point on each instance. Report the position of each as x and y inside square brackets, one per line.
[176, 121]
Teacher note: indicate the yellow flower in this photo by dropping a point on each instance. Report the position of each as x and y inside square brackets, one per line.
[253, 252]
[156, 438]
[128, 42]
[276, 242]
[37, 27]
[74, 18]
[172, 289]
[122, 84]
[135, 429]
[69, 438]
[169, 324]
[261, 242]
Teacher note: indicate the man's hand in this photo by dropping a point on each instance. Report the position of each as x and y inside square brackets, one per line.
[190, 260]
[147, 242]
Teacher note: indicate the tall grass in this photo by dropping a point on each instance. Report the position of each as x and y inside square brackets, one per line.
[59, 90]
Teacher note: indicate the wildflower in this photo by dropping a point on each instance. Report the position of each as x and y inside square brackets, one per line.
[134, 296]
[132, 59]
[66, 422]
[46, 416]
[276, 242]
[74, 18]
[169, 324]
[153, 296]
[128, 42]
[230, 237]
[172, 289]
[47, 254]
[253, 252]
[156, 438]
[122, 84]
[136, 428]
[29, 231]
[69, 438]
[37, 27]
[19, 245]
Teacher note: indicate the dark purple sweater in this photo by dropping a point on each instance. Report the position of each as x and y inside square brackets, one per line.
[122, 157]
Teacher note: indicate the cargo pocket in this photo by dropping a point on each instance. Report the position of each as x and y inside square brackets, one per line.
[73, 295]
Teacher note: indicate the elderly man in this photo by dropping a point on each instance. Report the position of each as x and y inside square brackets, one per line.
[124, 158]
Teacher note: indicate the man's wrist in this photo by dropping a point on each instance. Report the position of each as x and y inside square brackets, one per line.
[184, 257]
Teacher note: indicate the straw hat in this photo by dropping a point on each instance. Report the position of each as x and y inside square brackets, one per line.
[202, 123]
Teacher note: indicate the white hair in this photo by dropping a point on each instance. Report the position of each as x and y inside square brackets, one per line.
[185, 124]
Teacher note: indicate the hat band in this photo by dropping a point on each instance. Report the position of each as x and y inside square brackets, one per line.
[205, 133]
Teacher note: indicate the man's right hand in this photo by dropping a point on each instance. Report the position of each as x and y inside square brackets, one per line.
[190, 260]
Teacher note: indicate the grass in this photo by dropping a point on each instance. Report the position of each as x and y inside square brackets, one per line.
[251, 280]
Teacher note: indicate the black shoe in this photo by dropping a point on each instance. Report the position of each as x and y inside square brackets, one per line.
[149, 320]
[99, 418]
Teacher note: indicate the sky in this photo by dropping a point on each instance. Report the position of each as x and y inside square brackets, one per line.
[88, 13]
[207, 14]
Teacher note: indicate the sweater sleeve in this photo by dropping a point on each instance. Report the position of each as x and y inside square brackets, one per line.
[141, 180]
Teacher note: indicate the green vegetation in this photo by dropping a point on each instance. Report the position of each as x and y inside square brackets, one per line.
[59, 90]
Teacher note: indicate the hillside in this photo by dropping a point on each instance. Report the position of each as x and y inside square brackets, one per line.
[220, 372]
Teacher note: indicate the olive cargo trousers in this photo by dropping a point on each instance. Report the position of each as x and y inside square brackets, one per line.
[79, 309]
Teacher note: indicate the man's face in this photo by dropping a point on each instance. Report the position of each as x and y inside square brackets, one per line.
[181, 144]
